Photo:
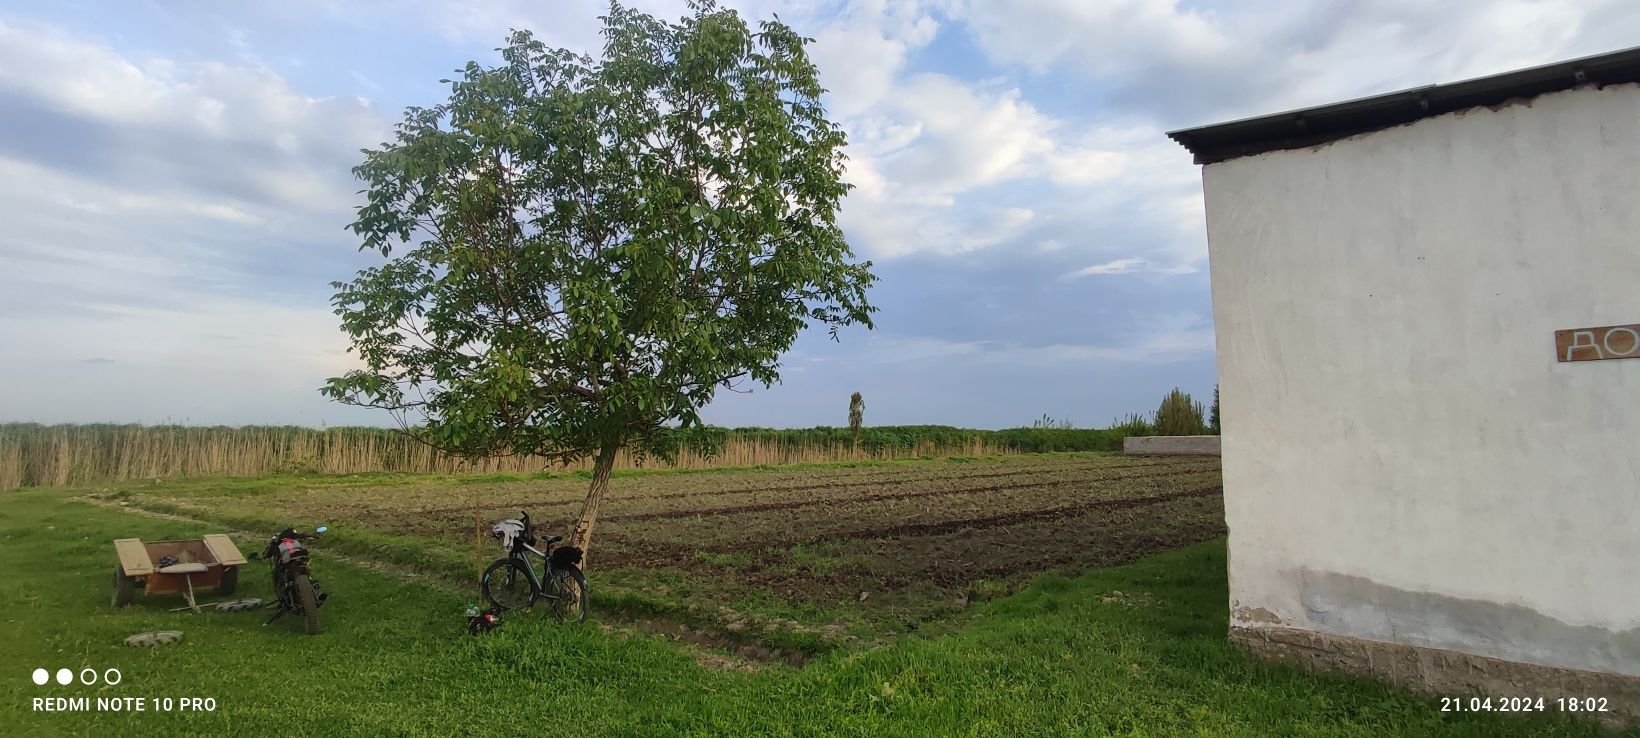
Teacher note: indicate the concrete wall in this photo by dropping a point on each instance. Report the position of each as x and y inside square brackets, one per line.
[1404, 460]
[1208, 445]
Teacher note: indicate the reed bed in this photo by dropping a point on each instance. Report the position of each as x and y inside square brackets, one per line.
[73, 455]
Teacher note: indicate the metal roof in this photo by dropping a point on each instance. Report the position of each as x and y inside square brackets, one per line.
[1311, 126]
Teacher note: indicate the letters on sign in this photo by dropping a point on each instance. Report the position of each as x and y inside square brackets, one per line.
[1596, 344]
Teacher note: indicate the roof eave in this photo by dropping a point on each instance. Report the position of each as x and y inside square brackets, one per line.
[1317, 125]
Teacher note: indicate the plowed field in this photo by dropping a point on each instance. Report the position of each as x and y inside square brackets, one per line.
[793, 559]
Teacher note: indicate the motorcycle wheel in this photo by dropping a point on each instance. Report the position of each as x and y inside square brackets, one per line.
[309, 600]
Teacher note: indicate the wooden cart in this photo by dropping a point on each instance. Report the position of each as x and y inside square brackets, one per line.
[212, 561]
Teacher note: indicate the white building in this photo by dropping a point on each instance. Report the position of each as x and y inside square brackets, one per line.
[1418, 483]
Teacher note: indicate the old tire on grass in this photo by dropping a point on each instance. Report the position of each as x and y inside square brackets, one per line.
[125, 588]
[245, 605]
[310, 604]
[229, 582]
[156, 638]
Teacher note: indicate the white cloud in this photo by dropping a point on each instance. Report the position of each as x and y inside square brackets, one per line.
[1258, 57]
[1119, 266]
[1102, 35]
[938, 162]
[927, 140]
[187, 126]
[1128, 265]
[1171, 338]
[161, 218]
[859, 58]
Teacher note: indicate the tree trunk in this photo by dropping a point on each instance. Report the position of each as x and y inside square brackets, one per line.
[582, 536]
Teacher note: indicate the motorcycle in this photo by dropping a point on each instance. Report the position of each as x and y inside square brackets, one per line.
[294, 588]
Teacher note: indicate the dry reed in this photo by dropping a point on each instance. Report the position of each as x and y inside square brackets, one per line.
[72, 455]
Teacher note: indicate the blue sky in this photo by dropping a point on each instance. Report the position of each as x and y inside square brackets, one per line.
[174, 185]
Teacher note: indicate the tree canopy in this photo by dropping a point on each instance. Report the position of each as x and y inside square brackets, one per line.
[579, 252]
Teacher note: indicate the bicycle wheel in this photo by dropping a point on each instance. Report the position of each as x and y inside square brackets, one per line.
[507, 585]
[568, 589]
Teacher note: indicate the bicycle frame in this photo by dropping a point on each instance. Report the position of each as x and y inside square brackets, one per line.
[539, 582]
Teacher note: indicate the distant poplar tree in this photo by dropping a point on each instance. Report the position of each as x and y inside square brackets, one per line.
[856, 415]
[1179, 416]
[1213, 419]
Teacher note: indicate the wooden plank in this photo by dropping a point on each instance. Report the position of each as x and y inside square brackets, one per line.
[223, 550]
[133, 556]
[1598, 344]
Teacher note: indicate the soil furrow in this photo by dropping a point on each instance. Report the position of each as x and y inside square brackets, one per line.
[651, 551]
[1195, 464]
[881, 482]
[988, 521]
[820, 502]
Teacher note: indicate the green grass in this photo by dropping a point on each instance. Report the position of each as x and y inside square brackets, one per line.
[1055, 659]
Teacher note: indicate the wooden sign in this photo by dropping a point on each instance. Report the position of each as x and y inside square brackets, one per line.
[1597, 344]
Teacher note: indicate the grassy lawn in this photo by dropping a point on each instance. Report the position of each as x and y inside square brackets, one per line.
[1133, 650]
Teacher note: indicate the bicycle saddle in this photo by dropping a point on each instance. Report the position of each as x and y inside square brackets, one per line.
[551, 539]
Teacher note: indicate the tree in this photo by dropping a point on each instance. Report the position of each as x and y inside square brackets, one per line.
[580, 253]
[1048, 422]
[1133, 425]
[1213, 417]
[1178, 416]
[856, 415]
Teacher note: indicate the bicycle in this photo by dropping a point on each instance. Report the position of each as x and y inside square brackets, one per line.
[511, 582]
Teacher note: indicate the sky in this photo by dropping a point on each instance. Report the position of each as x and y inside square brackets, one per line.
[174, 186]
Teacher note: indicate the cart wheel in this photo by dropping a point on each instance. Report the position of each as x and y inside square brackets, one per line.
[125, 588]
[230, 580]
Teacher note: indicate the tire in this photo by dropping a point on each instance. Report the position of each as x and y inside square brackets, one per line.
[156, 638]
[245, 605]
[506, 584]
[125, 588]
[309, 600]
[568, 587]
[230, 581]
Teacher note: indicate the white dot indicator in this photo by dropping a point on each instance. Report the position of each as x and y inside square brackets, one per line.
[41, 676]
[64, 676]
